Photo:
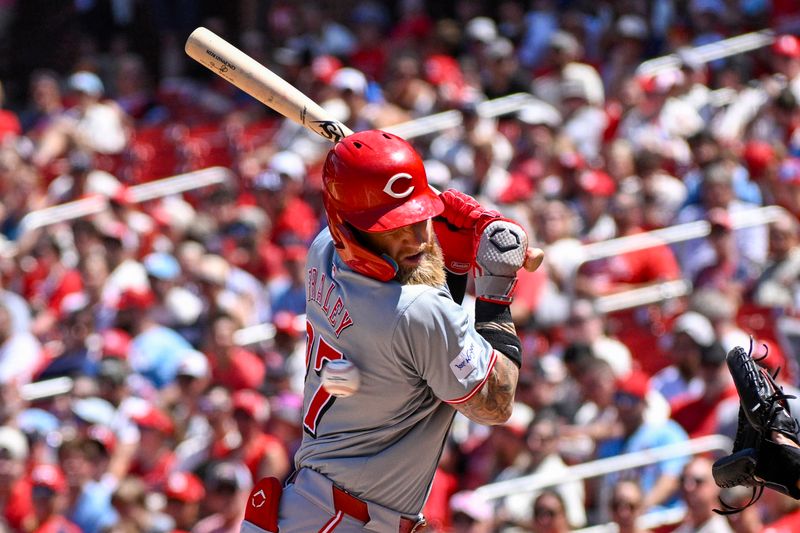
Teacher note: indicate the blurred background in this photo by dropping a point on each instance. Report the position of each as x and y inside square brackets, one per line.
[155, 221]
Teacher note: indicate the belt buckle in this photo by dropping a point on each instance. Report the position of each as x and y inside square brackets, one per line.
[419, 525]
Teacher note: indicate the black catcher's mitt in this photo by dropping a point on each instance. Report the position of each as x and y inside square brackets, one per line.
[757, 460]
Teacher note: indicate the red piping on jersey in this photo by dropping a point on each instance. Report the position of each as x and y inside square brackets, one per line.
[332, 523]
[479, 385]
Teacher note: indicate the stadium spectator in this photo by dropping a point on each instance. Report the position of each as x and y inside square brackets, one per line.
[92, 124]
[691, 332]
[91, 484]
[701, 415]
[49, 493]
[15, 488]
[595, 190]
[586, 325]
[154, 456]
[184, 492]
[16, 370]
[721, 309]
[701, 495]
[659, 481]
[728, 272]
[232, 366]
[470, 514]
[747, 521]
[717, 192]
[10, 126]
[45, 104]
[229, 485]
[549, 515]
[778, 283]
[627, 270]
[626, 507]
[542, 438]
[564, 55]
[262, 453]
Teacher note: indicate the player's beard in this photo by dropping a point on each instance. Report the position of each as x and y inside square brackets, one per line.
[430, 270]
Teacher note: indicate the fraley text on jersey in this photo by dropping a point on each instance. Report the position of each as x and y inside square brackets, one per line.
[322, 290]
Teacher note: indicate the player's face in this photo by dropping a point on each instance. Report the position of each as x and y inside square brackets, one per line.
[415, 251]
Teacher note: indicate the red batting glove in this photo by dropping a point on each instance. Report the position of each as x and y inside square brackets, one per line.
[463, 211]
[458, 245]
[456, 229]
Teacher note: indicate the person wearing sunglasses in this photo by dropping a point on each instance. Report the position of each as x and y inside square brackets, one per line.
[701, 495]
[548, 514]
[659, 481]
[626, 507]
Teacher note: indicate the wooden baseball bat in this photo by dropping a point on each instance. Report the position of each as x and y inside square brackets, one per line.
[230, 63]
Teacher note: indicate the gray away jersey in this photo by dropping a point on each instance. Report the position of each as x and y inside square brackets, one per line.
[416, 352]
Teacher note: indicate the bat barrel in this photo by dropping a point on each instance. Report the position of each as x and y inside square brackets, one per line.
[230, 63]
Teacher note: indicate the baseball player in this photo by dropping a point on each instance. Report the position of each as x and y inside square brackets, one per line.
[378, 296]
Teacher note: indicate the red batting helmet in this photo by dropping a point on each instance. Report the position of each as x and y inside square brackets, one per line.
[374, 181]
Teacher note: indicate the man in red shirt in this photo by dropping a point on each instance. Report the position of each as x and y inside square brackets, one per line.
[263, 454]
[699, 415]
[49, 493]
[184, 492]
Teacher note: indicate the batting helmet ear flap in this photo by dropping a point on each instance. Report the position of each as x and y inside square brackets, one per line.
[354, 254]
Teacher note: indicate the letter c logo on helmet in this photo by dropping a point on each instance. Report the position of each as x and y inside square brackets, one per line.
[390, 184]
[374, 181]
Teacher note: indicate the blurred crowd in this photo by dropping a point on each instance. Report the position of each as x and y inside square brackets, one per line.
[152, 356]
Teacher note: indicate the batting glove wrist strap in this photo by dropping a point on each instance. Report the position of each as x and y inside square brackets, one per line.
[500, 253]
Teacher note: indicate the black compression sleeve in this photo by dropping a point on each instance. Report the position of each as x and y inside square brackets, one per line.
[493, 322]
[457, 283]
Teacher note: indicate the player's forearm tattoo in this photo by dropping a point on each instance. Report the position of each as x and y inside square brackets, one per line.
[492, 404]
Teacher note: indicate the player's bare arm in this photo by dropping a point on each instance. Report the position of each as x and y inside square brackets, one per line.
[492, 404]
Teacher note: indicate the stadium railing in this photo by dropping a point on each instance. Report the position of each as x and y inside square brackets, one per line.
[670, 235]
[138, 193]
[710, 52]
[452, 119]
[609, 465]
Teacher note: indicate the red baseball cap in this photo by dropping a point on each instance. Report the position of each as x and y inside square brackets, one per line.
[185, 487]
[103, 436]
[286, 322]
[636, 384]
[252, 403]
[132, 299]
[758, 155]
[597, 183]
[115, 343]
[787, 45]
[324, 67]
[154, 418]
[50, 476]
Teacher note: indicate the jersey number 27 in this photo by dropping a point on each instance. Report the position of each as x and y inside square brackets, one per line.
[315, 360]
